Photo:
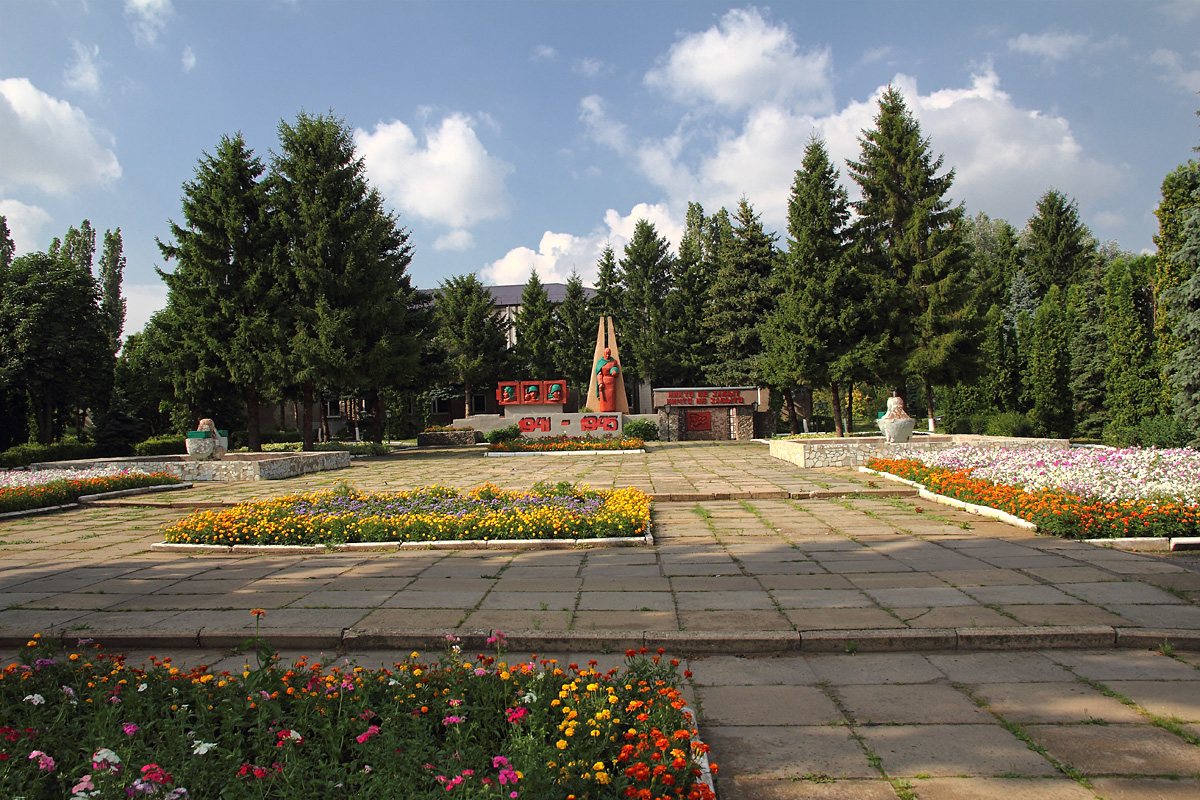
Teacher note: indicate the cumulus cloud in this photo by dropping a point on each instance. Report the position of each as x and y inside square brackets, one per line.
[188, 59]
[83, 74]
[24, 223]
[558, 254]
[543, 52]
[1176, 72]
[147, 19]
[449, 178]
[49, 144]
[1049, 46]
[590, 67]
[744, 61]
[1004, 156]
[457, 239]
[142, 300]
[602, 128]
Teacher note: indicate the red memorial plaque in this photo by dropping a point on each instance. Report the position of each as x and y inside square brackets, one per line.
[531, 392]
[508, 393]
[698, 420]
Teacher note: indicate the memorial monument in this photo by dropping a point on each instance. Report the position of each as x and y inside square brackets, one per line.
[606, 391]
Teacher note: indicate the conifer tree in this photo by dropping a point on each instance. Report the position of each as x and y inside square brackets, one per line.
[112, 272]
[645, 270]
[992, 247]
[535, 331]
[1180, 194]
[473, 336]
[1058, 247]
[687, 301]
[1050, 365]
[912, 236]
[223, 284]
[1000, 379]
[608, 301]
[741, 301]
[575, 336]
[1132, 376]
[1184, 369]
[1089, 356]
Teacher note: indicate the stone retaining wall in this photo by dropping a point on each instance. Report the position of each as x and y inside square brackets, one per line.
[446, 439]
[234, 467]
[856, 451]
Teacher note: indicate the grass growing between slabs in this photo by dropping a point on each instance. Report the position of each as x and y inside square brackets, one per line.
[85, 724]
[1077, 493]
[428, 514]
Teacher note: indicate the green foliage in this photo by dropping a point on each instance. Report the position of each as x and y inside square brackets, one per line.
[608, 301]
[1089, 357]
[171, 445]
[1133, 381]
[67, 449]
[535, 332]
[643, 429]
[1058, 247]
[1160, 431]
[687, 340]
[993, 255]
[741, 302]
[469, 331]
[645, 273]
[1172, 268]
[1008, 423]
[999, 380]
[1050, 380]
[1184, 369]
[575, 327]
[508, 433]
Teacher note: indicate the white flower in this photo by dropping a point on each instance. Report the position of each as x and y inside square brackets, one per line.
[200, 748]
[142, 687]
[528, 697]
[35, 699]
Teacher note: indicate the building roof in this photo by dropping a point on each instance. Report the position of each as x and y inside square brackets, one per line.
[510, 295]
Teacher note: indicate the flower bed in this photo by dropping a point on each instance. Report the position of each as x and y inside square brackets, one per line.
[22, 491]
[87, 725]
[559, 444]
[1089, 495]
[428, 514]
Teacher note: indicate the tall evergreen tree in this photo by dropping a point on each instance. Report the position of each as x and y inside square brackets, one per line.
[112, 272]
[742, 302]
[910, 233]
[1180, 194]
[7, 248]
[645, 269]
[1184, 369]
[1134, 391]
[473, 336]
[12, 402]
[1050, 381]
[687, 301]
[1089, 357]
[999, 381]
[992, 247]
[336, 247]
[608, 301]
[1058, 247]
[224, 283]
[575, 329]
[535, 331]
[819, 333]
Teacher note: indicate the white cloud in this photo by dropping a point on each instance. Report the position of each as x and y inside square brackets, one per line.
[601, 128]
[450, 179]
[590, 67]
[84, 73]
[141, 301]
[558, 254]
[1005, 157]
[744, 61]
[1174, 70]
[543, 52]
[49, 143]
[457, 239]
[188, 59]
[1049, 46]
[24, 223]
[147, 18]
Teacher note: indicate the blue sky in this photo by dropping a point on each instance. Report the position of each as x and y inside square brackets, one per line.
[512, 135]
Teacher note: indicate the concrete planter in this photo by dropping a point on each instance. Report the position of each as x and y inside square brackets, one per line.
[446, 439]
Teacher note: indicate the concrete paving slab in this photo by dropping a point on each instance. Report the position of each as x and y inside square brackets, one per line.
[716, 670]
[626, 601]
[805, 582]
[998, 667]
[530, 601]
[874, 668]
[1186, 617]
[420, 619]
[822, 598]
[954, 617]
[932, 597]
[324, 598]
[1125, 665]
[767, 705]
[743, 620]
[1110, 593]
[492, 619]
[830, 619]
[724, 601]
[1020, 595]
[443, 599]
[952, 750]
[1168, 699]
[585, 621]
[1063, 615]
[895, 580]
[815, 787]
[788, 752]
[1054, 702]
[909, 704]
[1119, 749]
[1000, 789]
[1146, 788]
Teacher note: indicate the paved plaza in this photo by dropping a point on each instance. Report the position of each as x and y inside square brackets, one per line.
[847, 640]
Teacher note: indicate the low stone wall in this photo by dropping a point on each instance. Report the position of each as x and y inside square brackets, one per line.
[856, 451]
[446, 439]
[234, 467]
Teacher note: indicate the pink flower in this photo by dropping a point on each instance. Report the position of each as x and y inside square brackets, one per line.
[371, 731]
[453, 720]
[44, 761]
[156, 774]
[455, 702]
[129, 728]
[498, 639]
[85, 783]
[515, 715]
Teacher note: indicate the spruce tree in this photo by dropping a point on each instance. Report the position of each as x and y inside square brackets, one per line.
[112, 272]
[1184, 369]
[687, 302]
[910, 234]
[742, 302]
[470, 332]
[1058, 247]
[575, 336]
[608, 301]
[1180, 194]
[645, 270]
[223, 283]
[1131, 375]
[1050, 364]
[535, 331]
[1089, 357]
[992, 247]
[999, 381]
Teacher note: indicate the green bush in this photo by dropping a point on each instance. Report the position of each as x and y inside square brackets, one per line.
[1009, 423]
[69, 449]
[642, 429]
[1161, 431]
[502, 435]
[169, 445]
[971, 423]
